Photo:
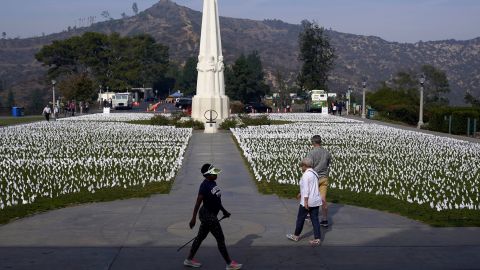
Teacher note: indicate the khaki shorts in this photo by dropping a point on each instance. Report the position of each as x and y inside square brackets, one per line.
[323, 186]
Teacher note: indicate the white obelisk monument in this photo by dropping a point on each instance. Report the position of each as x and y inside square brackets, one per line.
[210, 99]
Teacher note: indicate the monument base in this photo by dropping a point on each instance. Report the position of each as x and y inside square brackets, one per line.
[211, 128]
[219, 104]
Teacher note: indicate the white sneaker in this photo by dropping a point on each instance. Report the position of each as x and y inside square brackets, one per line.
[234, 265]
[192, 263]
[293, 237]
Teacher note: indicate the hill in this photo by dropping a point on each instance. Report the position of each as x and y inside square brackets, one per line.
[179, 28]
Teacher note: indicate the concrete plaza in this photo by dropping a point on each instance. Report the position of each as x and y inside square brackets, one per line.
[146, 233]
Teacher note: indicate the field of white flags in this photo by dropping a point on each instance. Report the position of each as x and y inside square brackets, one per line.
[48, 159]
[442, 173]
[111, 117]
[310, 117]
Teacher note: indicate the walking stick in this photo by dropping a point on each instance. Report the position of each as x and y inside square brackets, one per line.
[180, 248]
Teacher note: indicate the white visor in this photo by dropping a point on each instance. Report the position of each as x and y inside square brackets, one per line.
[212, 171]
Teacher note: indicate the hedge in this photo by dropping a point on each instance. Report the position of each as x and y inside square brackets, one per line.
[439, 119]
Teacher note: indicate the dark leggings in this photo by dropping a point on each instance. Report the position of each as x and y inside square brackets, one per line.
[302, 214]
[209, 223]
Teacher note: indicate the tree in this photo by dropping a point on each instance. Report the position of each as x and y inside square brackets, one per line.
[114, 61]
[106, 14]
[405, 80]
[37, 101]
[2, 85]
[61, 57]
[188, 78]
[246, 79]
[399, 100]
[399, 104]
[78, 87]
[135, 8]
[4, 35]
[124, 15]
[282, 89]
[436, 85]
[470, 99]
[10, 99]
[317, 56]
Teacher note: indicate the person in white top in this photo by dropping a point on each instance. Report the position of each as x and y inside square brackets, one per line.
[46, 112]
[310, 202]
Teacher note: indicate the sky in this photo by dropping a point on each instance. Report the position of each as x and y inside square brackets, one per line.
[393, 20]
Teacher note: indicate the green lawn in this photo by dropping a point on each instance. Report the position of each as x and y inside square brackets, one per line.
[422, 213]
[46, 204]
[8, 121]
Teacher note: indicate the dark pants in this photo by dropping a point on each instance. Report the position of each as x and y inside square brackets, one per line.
[47, 116]
[210, 224]
[302, 214]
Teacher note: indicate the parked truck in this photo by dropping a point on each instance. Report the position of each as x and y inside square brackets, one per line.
[122, 101]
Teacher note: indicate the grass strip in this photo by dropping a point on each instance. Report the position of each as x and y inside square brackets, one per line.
[9, 121]
[422, 213]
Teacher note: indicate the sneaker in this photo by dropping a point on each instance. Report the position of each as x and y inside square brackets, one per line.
[292, 237]
[192, 263]
[324, 223]
[315, 242]
[234, 265]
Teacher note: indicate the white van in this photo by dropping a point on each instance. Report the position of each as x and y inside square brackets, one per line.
[122, 101]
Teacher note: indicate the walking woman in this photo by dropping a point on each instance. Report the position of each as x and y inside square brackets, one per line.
[209, 196]
[310, 202]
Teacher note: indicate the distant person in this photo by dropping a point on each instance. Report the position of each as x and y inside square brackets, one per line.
[321, 164]
[209, 197]
[46, 112]
[340, 108]
[72, 108]
[87, 107]
[310, 202]
[80, 105]
[55, 111]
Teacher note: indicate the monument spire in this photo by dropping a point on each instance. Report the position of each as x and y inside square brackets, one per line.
[211, 80]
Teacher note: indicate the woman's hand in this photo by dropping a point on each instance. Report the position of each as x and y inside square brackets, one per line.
[192, 223]
[226, 214]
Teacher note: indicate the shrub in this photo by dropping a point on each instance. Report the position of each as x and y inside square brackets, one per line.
[255, 121]
[178, 115]
[439, 119]
[404, 113]
[177, 120]
[229, 123]
[236, 106]
[160, 120]
[196, 125]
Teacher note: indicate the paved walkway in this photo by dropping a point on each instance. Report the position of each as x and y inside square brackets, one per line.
[145, 233]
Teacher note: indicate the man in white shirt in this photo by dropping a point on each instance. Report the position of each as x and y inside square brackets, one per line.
[46, 112]
[310, 202]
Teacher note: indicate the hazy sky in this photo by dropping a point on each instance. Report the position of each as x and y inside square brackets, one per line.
[393, 20]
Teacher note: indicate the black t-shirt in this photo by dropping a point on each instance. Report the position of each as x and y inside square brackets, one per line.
[211, 196]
